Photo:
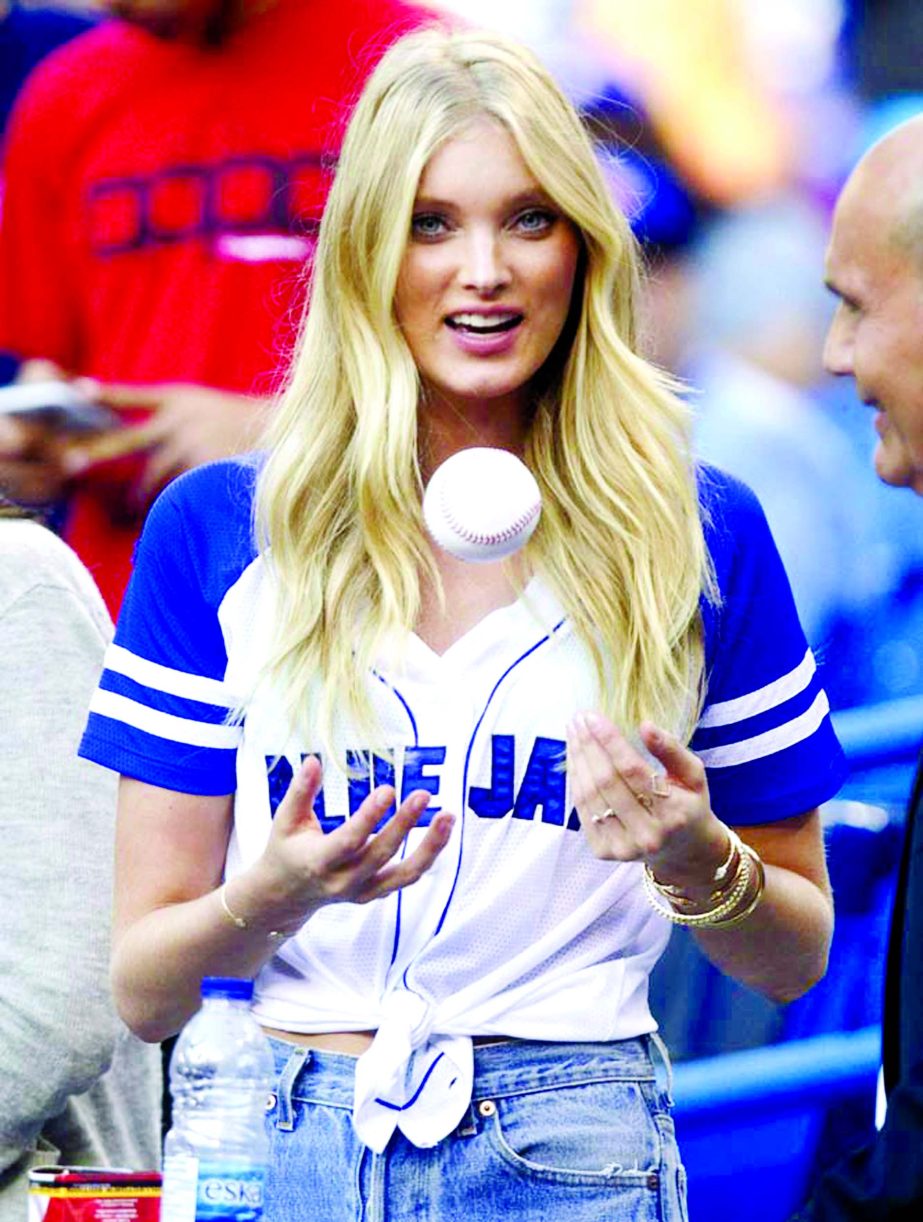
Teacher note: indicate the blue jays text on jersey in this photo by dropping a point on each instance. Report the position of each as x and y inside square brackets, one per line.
[539, 795]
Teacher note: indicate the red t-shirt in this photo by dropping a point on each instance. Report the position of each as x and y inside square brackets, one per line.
[159, 204]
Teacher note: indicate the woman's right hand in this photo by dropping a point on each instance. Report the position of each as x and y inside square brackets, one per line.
[304, 868]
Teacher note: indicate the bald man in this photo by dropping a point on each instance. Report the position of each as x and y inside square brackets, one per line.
[875, 269]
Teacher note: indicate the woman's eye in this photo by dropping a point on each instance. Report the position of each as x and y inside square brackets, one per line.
[535, 220]
[427, 225]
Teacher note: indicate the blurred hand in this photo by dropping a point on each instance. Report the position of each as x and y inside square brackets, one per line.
[663, 819]
[189, 425]
[303, 868]
[30, 461]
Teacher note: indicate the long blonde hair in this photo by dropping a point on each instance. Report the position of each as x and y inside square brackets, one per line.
[339, 499]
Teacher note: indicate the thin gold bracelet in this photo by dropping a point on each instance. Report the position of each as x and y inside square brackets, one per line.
[738, 917]
[274, 935]
[676, 895]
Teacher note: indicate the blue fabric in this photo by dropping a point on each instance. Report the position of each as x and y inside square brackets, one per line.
[575, 1131]
[184, 567]
[27, 36]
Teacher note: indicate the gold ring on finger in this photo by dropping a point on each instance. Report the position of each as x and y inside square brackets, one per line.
[659, 785]
[601, 817]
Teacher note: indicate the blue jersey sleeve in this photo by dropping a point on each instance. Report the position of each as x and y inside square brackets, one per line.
[765, 734]
[161, 711]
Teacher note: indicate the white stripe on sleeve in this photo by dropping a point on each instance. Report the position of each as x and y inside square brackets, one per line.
[165, 679]
[761, 700]
[164, 725]
[768, 743]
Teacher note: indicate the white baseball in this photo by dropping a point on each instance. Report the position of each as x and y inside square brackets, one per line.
[482, 504]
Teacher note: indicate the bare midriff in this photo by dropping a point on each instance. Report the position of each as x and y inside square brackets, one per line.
[353, 1043]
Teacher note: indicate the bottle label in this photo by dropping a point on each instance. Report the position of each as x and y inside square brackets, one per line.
[198, 1191]
[229, 1192]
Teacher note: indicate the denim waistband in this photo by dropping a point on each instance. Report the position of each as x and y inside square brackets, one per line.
[511, 1067]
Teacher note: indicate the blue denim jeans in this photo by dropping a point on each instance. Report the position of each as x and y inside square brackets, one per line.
[569, 1132]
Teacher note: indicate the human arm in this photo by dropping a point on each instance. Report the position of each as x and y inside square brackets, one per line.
[171, 928]
[57, 816]
[781, 948]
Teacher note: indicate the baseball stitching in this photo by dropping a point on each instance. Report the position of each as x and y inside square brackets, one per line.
[495, 536]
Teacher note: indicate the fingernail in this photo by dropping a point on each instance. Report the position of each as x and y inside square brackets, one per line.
[594, 722]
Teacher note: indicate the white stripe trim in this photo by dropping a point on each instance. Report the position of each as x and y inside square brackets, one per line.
[165, 679]
[164, 725]
[768, 743]
[761, 700]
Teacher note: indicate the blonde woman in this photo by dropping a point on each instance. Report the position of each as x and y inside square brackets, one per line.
[445, 814]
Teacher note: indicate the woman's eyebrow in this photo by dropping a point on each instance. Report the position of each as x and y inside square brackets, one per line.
[533, 195]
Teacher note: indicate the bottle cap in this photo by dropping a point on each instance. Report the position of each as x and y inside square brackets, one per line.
[227, 986]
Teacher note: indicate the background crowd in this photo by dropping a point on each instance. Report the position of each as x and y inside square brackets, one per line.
[726, 128]
[726, 131]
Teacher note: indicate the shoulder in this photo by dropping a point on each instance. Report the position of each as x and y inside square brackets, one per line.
[730, 508]
[223, 487]
[45, 28]
[94, 66]
[32, 558]
[737, 535]
[393, 16]
[203, 520]
[365, 29]
[351, 24]
[27, 36]
[752, 611]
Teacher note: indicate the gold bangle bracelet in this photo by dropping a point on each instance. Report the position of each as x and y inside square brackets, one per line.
[737, 918]
[737, 905]
[711, 916]
[274, 935]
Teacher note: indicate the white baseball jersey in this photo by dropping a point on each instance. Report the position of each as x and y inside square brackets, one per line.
[517, 930]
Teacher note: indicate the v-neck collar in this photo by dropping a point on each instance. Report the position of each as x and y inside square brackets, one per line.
[498, 632]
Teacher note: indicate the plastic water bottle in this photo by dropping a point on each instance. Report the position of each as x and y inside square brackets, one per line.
[215, 1155]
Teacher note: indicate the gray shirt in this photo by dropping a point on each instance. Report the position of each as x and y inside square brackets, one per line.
[75, 1085]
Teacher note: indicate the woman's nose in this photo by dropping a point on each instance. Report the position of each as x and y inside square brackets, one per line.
[485, 270]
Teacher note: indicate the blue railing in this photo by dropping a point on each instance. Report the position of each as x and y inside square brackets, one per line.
[881, 734]
[750, 1123]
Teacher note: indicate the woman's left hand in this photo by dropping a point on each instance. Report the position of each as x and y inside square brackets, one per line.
[630, 812]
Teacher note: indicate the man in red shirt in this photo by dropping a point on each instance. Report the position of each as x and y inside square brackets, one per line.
[164, 177]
